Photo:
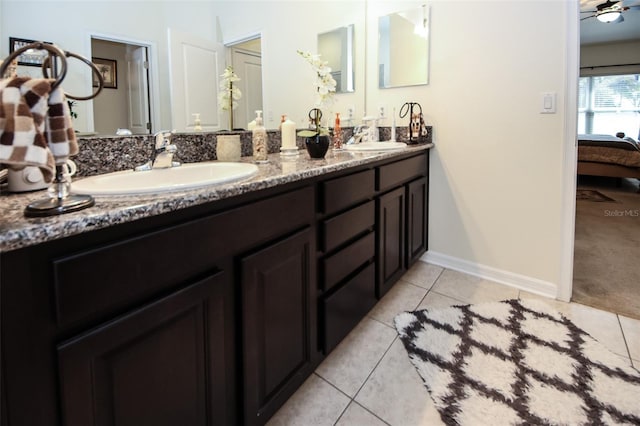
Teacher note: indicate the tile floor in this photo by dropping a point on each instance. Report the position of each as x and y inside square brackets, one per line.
[364, 381]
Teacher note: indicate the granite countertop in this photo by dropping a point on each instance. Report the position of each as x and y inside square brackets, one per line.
[16, 231]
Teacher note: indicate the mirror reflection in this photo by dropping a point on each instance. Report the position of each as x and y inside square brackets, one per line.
[246, 59]
[336, 47]
[403, 48]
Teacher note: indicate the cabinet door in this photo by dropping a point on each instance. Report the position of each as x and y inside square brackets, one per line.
[416, 220]
[168, 363]
[278, 323]
[391, 239]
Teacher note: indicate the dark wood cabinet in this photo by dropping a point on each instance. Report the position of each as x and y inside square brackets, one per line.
[391, 239]
[167, 363]
[402, 218]
[278, 323]
[347, 255]
[417, 219]
[209, 315]
[345, 307]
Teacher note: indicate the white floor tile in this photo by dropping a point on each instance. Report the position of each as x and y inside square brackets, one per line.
[349, 365]
[631, 330]
[471, 289]
[315, 403]
[402, 297]
[601, 325]
[358, 416]
[422, 274]
[395, 392]
[434, 300]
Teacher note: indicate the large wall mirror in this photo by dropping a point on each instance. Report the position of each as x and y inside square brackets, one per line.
[403, 48]
[337, 48]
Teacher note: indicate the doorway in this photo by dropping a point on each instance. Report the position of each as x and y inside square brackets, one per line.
[125, 103]
[605, 275]
[246, 59]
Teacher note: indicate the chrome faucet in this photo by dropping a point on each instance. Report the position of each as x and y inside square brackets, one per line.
[359, 133]
[162, 154]
[367, 132]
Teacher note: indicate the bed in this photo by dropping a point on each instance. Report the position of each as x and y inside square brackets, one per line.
[605, 155]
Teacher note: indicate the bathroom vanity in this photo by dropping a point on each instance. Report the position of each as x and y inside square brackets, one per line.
[209, 306]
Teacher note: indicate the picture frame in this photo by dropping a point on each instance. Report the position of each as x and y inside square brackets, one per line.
[109, 71]
[29, 58]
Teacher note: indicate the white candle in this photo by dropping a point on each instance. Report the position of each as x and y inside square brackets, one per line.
[288, 134]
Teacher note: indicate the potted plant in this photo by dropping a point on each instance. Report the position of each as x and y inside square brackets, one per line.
[229, 94]
[317, 136]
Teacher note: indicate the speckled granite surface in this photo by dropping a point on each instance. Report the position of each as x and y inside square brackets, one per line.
[109, 154]
[16, 231]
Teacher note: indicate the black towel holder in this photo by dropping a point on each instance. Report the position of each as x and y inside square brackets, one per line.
[60, 200]
[38, 45]
[415, 128]
[56, 52]
[91, 65]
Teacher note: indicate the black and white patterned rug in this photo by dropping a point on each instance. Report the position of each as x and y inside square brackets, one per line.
[517, 362]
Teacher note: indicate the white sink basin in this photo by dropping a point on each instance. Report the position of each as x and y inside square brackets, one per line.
[187, 176]
[376, 146]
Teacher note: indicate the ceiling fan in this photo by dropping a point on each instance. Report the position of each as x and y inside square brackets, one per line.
[609, 12]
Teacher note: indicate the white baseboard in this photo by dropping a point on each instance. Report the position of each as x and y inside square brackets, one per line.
[521, 282]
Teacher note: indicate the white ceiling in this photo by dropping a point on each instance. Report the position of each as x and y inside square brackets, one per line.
[593, 31]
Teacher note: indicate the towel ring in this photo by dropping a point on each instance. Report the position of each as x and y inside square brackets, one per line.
[51, 48]
[408, 108]
[315, 115]
[91, 65]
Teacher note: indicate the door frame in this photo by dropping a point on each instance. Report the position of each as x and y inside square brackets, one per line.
[153, 78]
[232, 42]
[570, 151]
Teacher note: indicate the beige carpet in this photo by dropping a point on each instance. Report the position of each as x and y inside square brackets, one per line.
[606, 269]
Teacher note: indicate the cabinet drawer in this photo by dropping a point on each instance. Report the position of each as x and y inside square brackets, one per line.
[111, 277]
[347, 191]
[346, 307]
[345, 226]
[395, 174]
[347, 260]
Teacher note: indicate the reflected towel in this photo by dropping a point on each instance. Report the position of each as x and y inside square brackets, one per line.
[59, 130]
[35, 125]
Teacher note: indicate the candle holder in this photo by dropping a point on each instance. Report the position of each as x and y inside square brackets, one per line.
[289, 152]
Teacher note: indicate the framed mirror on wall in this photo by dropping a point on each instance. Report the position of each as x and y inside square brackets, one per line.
[403, 48]
[337, 48]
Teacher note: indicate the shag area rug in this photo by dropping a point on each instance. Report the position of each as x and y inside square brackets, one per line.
[517, 362]
[592, 195]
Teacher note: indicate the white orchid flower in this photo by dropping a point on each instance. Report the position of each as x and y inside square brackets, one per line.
[229, 93]
[325, 83]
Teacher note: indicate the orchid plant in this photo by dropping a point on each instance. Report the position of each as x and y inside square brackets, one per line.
[229, 94]
[325, 89]
[325, 83]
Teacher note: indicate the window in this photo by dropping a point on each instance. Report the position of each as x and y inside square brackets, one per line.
[609, 104]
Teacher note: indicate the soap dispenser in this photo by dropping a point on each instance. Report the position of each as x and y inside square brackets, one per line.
[197, 125]
[259, 139]
[371, 124]
[337, 133]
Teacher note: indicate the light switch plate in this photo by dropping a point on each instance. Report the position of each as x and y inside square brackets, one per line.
[548, 102]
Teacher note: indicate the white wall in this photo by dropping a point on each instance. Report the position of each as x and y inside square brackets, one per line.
[496, 171]
[616, 53]
[110, 107]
